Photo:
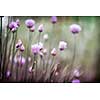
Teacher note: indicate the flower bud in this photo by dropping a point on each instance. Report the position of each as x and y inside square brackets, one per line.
[45, 37]
[41, 28]
[53, 19]
[54, 52]
[22, 48]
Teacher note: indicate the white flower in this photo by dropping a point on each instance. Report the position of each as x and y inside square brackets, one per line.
[62, 45]
[45, 37]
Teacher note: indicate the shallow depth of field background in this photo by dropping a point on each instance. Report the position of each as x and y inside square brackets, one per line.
[87, 39]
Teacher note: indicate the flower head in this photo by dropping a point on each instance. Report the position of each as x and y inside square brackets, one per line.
[62, 45]
[74, 28]
[35, 49]
[30, 23]
[13, 26]
[40, 28]
[53, 19]
[18, 44]
[22, 48]
[53, 52]
[75, 81]
[45, 37]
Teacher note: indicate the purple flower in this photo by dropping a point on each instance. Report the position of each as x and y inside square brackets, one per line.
[13, 26]
[75, 81]
[35, 49]
[30, 23]
[41, 28]
[62, 45]
[53, 19]
[8, 73]
[74, 28]
[53, 52]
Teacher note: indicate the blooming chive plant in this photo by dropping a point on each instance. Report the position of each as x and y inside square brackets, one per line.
[36, 61]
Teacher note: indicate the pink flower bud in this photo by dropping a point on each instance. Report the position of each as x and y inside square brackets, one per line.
[19, 43]
[22, 48]
[41, 28]
[53, 19]
[54, 52]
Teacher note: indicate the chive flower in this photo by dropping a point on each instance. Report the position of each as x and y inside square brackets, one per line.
[75, 29]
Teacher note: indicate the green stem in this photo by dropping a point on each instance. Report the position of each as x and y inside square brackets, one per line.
[33, 66]
[4, 55]
[73, 59]
[14, 52]
[39, 37]
[17, 67]
[28, 48]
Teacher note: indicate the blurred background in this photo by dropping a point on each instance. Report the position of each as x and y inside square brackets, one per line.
[87, 41]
